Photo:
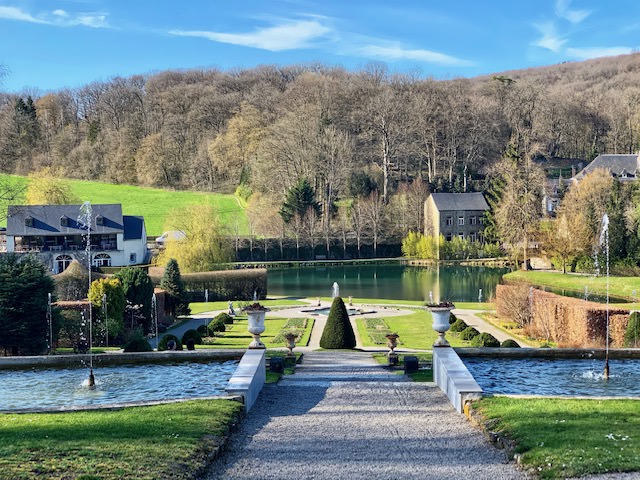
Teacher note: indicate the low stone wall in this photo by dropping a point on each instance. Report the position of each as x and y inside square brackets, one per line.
[249, 377]
[453, 378]
[571, 322]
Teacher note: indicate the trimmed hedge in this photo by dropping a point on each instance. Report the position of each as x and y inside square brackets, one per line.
[217, 324]
[508, 343]
[193, 335]
[632, 333]
[338, 332]
[485, 340]
[166, 338]
[458, 326]
[137, 344]
[469, 333]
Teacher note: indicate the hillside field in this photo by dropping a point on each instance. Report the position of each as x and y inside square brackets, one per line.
[154, 204]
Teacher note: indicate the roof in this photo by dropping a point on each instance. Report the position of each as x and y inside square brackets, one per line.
[46, 220]
[459, 201]
[615, 163]
[133, 227]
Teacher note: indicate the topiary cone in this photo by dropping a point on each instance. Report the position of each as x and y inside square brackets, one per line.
[338, 332]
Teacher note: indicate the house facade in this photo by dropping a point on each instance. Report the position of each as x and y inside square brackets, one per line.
[58, 235]
[455, 215]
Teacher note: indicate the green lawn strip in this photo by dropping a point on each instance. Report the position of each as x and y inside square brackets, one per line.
[154, 204]
[618, 286]
[200, 307]
[423, 375]
[561, 438]
[515, 332]
[414, 329]
[162, 441]
[237, 336]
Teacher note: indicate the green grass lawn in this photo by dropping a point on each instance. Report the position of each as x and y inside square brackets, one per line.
[561, 438]
[154, 204]
[162, 441]
[199, 307]
[618, 286]
[414, 329]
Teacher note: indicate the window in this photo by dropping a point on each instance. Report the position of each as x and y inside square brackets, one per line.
[473, 220]
[102, 260]
[481, 220]
[473, 237]
[62, 262]
[64, 221]
[461, 236]
[132, 258]
[448, 236]
[460, 221]
[449, 221]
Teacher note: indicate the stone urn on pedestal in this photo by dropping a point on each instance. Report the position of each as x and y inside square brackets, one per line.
[392, 343]
[290, 337]
[255, 313]
[440, 313]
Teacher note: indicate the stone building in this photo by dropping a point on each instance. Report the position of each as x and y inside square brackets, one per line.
[455, 215]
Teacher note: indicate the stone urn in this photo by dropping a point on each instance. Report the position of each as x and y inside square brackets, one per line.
[255, 313]
[291, 343]
[440, 314]
[392, 343]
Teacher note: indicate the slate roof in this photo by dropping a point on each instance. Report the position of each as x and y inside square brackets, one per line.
[133, 227]
[459, 201]
[615, 163]
[46, 220]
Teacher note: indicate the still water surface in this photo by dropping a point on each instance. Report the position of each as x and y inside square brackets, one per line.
[397, 282]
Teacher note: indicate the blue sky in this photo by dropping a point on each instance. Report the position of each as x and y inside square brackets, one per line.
[52, 44]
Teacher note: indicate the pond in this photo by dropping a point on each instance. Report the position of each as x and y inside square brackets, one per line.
[396, 282]
[564, 377]
[67, 387]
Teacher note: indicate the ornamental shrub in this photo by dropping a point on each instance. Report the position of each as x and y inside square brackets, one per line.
[137, 344]
[193, 335]
[166, 339]
[632, 334]
[508, 343]
[338, 332]
[485, 340]
[469, 333]
[217, 324]
[458, 325]
[226, 318]
[452, 318]
[203, 330]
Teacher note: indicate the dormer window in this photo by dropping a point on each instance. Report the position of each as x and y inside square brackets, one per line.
[99, 220]
[64, 221]
[28, 222]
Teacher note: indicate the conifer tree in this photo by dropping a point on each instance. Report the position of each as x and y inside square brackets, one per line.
[338, 332]
[174, 286]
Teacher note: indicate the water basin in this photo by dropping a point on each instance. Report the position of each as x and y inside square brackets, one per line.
[563, 377]
[67, 387]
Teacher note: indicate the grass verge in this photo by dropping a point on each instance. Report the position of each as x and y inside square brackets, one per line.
[200, 307]
[561, 438]
[161, 441]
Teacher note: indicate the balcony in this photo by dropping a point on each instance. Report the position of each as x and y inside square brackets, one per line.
[63, 244]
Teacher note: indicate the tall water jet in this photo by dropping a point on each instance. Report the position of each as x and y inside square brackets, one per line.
[154, 315]
[604, 243]
[106, 319]
[335, 290]
[84, 221]
[50, 322]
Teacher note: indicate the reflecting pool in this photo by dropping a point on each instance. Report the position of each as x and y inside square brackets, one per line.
[67, 387]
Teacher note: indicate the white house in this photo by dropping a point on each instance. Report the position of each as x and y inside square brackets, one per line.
[58, 235]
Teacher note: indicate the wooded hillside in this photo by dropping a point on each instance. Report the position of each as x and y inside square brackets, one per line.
[266, 127]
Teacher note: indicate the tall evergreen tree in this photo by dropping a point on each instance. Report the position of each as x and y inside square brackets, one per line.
[174, 286]
[138, 289]
[299, 201]
[24, 289]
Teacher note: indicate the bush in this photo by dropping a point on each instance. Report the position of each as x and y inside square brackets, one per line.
[203, 330]
[458, 325]
[217, 324]
[338, 332]
[166, 339]
[192, 334]
[226, 318]
[469, 333]
[485, 340]
[510, 344]
[138, 344]
[452, 318]
[632, 334]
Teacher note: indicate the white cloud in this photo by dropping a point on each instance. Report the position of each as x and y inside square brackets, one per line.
[287, 36]
[550, 39]
[58, 18]
[595, 52]
[399, 53]
[574, 16]
[13, 13]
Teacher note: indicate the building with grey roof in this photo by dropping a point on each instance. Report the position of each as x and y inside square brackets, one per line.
[58, 234]
[455, 215]
[621, 166]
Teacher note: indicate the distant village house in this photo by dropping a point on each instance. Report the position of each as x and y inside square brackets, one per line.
[455, 215]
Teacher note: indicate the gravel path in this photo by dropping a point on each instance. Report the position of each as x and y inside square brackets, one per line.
[343, 417]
